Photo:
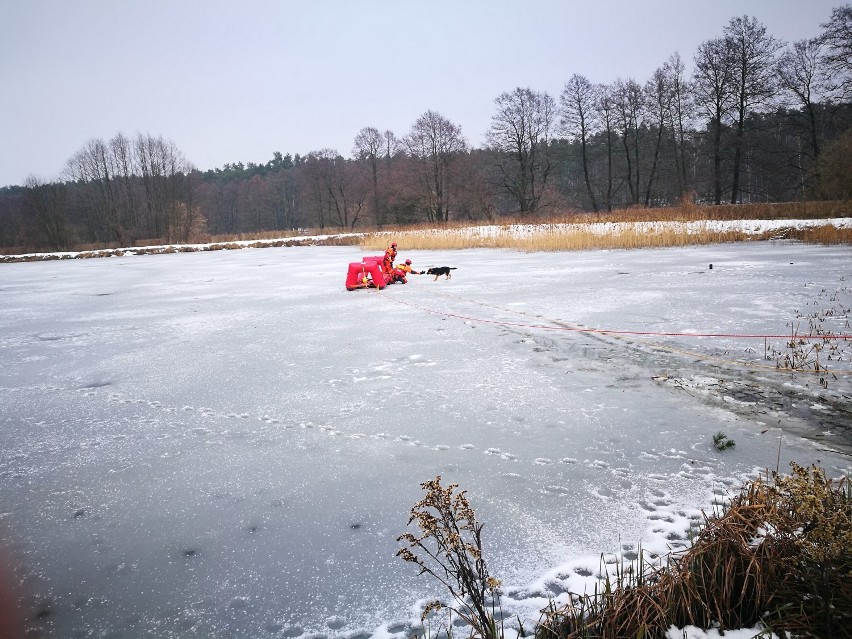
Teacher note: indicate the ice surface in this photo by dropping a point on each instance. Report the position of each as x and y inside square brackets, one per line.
[228, 443]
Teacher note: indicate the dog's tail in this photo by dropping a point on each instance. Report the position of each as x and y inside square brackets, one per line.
[452, 268]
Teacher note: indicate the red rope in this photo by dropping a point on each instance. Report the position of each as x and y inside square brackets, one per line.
[605, 331]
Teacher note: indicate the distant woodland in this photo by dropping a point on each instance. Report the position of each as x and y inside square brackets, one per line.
[758, 120]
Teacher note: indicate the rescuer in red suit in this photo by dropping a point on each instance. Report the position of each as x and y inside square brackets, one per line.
[390, 256]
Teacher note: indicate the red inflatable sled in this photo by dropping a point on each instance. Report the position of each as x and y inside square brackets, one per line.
[368, 274]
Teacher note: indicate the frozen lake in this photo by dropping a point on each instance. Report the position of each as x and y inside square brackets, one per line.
[227, 444]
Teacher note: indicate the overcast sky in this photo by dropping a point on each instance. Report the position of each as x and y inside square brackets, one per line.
[236, 81]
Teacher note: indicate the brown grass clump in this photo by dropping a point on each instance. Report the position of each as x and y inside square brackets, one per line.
[780, 555]
[822, 235]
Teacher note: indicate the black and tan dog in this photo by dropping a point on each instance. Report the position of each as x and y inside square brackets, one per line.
[437, 271]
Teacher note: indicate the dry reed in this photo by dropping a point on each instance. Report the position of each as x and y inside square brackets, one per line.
[780, 555]
[577, 237]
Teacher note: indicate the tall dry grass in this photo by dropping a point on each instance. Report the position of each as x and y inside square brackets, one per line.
[780, 555]
[571, 230]
[582, 237]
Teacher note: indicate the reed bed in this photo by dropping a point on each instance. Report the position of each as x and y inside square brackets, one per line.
[576, 237]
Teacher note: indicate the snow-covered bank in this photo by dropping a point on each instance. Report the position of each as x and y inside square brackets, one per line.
[228, 443]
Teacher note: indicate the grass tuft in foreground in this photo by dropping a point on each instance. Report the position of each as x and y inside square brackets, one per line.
[780, 555]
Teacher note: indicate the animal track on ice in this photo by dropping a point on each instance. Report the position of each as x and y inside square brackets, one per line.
[281, 424]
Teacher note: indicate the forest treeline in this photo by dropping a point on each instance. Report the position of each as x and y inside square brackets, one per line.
[756, 120]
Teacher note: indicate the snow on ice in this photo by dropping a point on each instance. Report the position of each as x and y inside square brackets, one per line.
[228, 443]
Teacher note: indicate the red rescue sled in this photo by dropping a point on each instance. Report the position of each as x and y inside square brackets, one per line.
[368, 274]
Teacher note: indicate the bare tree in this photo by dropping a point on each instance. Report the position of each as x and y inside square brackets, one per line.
[628, 100]
[606, 110]
[802, 77]
[435, 142]
[658, 96]
[837, 39]
[369, 147]
[753, 56]
[713, 91]
[680, 113]
[520, 134]
[91, 168]
[477, 193]
[285, 198]
[578, 121]
[334, 191]
[124, 169]
[312, 173]
[164, 172]
[46, 203]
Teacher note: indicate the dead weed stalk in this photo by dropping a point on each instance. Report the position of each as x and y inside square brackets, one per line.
[448, 547]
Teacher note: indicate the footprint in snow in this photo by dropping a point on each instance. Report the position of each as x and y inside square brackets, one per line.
[239, 603]
[335, 623]
[661, 517]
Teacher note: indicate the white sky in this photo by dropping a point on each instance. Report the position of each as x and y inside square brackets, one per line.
[236, 81]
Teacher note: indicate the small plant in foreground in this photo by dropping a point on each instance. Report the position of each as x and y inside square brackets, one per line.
[721, 441]
[448, 546]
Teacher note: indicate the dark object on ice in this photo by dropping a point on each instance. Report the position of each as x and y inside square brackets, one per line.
[437, 271]
[711, 267]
